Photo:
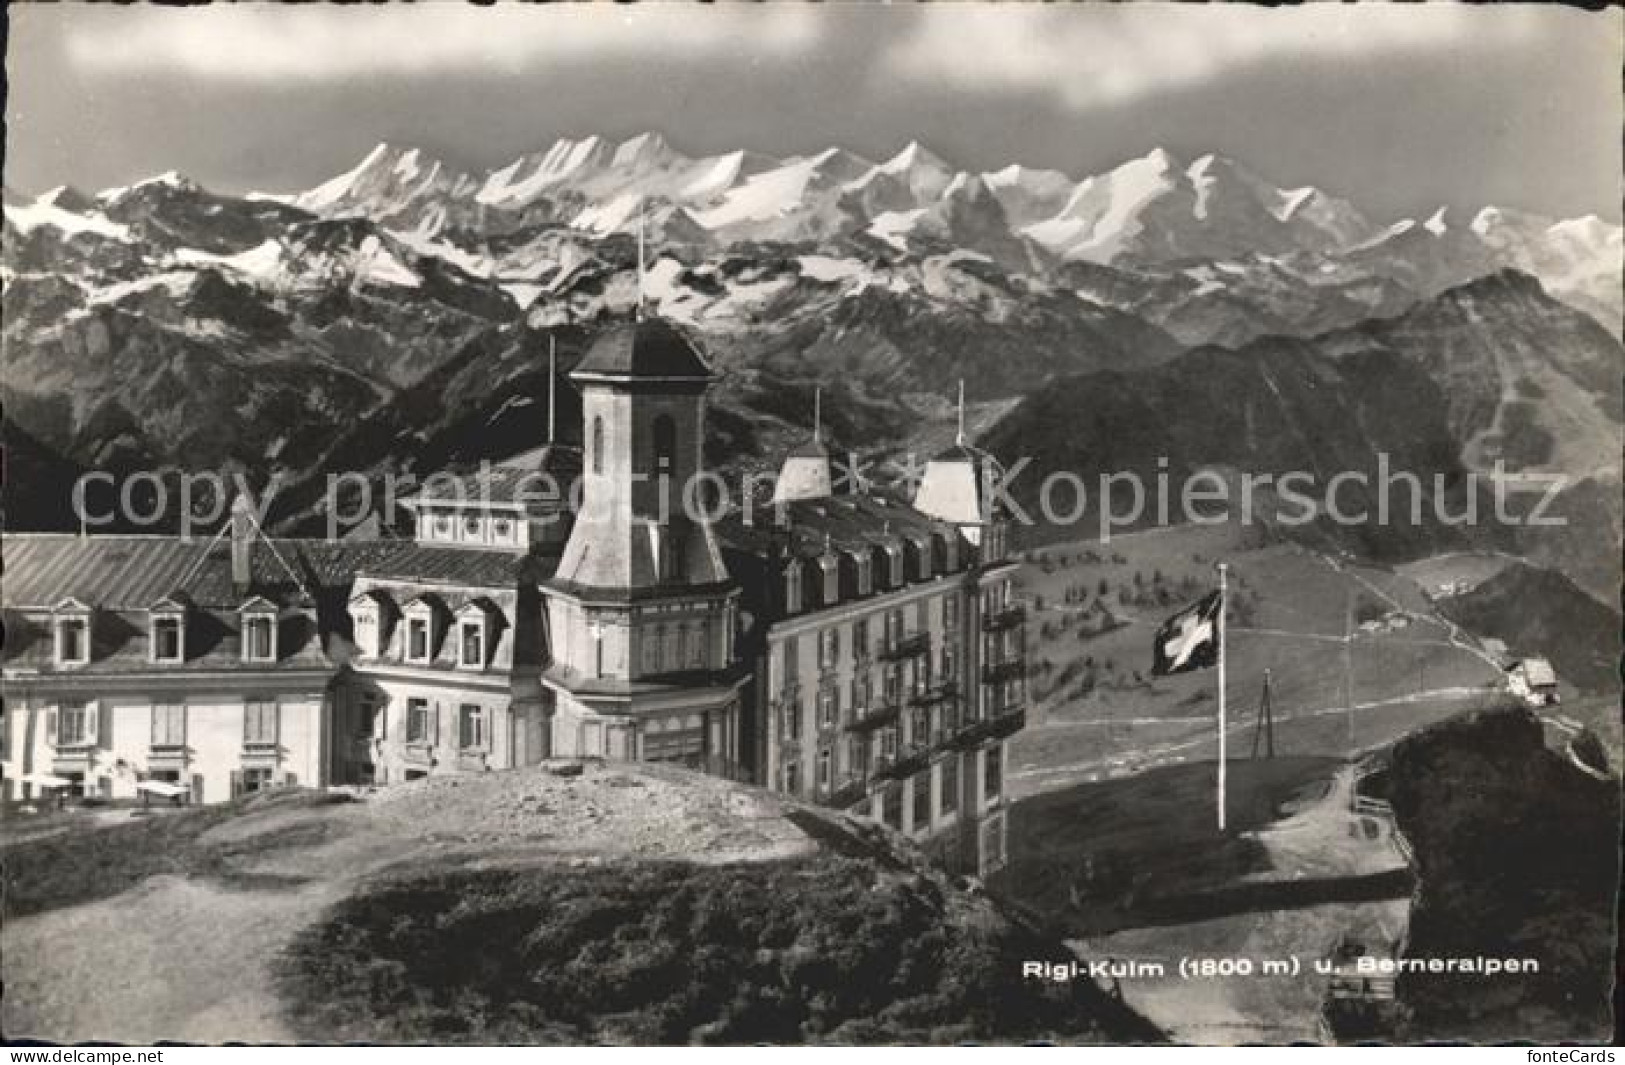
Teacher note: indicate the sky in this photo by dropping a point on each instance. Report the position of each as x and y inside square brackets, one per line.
[1399, 108]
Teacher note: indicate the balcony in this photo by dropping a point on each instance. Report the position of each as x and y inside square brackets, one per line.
[1008, 618]
[999, 672]
[853, 791]
[910, 646]
[1008, 723]
[992, 728]
[879, 716]
[906, 764]
[941, 692]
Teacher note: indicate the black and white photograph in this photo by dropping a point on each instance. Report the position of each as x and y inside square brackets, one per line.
[785, 524]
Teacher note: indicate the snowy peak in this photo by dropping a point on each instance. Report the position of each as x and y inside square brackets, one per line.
[644, 150]
[66, 198]
[1028, 195]
[394, 183]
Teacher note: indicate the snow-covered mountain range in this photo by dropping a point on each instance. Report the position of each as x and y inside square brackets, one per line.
[1152, 213]
[398, 314]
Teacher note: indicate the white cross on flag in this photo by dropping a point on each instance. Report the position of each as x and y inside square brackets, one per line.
[1188, 640]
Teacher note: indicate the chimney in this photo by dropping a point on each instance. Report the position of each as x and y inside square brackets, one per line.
[242, 544]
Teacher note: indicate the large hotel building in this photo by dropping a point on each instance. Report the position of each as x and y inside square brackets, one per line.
[852, 649]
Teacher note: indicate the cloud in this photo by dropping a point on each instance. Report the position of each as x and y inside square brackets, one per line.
[1091, 55]
[254, 43]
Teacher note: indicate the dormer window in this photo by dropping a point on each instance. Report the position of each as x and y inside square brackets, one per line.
[259, 631]
[475, 634]
[894, 565]
[792, 587]
[922, 552]
[471, 644]
[502, 530]
[168, 631]
[830, 564]
[423, 630]
[371, 615]
[72, 625]
[166, 639]
[441, 524]
[865, 572]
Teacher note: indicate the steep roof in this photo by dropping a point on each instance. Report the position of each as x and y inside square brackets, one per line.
[649, 348]
[134, 572]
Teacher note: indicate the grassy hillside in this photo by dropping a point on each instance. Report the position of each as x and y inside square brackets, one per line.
[823, 950]
[1539, 612]
[626, 904]
[1517, 854]
[1093, 610]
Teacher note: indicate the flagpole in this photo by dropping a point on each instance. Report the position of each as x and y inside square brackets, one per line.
[1223, 568]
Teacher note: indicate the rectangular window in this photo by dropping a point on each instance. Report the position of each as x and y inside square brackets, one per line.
[166, 640]
[697, 649]
[829, 706]
[471, 727]
[993, 775]
[829, 647]
[891, 806]
[260, 722]
[919, 721]
[258, 632]
[922, 799]
[792, 717]
[169, 724]
[948, 792]
[252, 780]
[893, 684]
[792, 778]
[473, 644]
[417, 721]
[950, 664]
[792, 588]
[72, 646]
[950, 612]
[860, 639]
[73, 725]
[860, 696]
[417, 632]
[888, 743]
[366, 634]
[823, 769]
[792, 659]
[651, 649]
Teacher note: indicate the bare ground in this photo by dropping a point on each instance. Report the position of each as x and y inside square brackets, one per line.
[188, 959]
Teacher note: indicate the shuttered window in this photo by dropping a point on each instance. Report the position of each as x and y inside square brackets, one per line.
[168, 724]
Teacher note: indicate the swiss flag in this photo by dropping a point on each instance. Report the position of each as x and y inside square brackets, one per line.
[1190, 639]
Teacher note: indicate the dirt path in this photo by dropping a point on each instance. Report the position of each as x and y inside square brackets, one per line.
[190, 959]
[1324, 839]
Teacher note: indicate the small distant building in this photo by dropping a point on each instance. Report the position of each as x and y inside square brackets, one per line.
[1534, 681]
[1497, 649]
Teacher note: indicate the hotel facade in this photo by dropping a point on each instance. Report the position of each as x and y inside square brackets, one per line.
[851, 649]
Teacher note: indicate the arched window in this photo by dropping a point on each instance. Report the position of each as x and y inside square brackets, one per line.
[663, 457]
[597, 444]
